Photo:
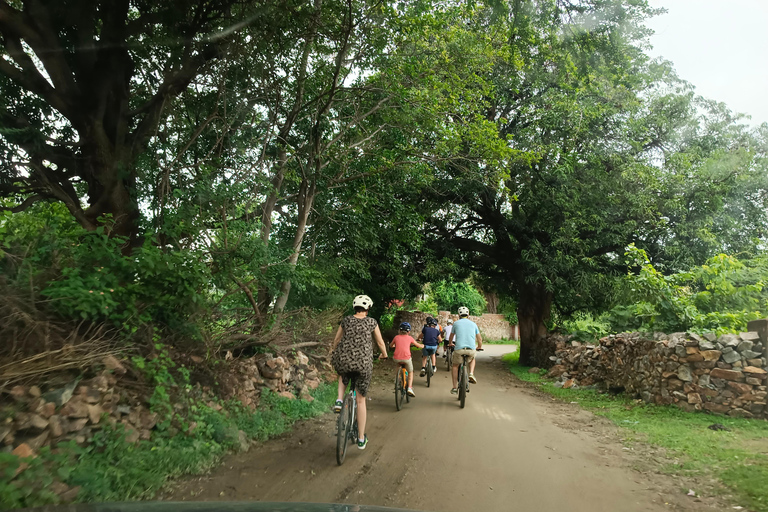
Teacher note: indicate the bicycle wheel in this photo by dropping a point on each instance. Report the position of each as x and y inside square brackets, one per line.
[449, 360]
[405, 386]
[399, 389]
[429, 370]
[342, 431]
[463, 383]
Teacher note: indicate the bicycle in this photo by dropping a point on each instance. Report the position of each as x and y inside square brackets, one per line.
[401, 387]
[464, 379]
[448, 358]
[347, 423]
[430, 369]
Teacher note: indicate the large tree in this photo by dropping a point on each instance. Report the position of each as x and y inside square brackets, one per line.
[593, 155]
[85, 85]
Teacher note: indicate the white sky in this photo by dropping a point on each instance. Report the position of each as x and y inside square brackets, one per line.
[721, 47]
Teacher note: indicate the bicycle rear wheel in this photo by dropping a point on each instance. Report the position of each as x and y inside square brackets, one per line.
[448, 360]
[344, 428]
[463, 383]
[399, 389]
[429, 369]
[405, 386]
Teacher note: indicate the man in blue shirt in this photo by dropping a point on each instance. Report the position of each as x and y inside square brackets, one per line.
[465, 338]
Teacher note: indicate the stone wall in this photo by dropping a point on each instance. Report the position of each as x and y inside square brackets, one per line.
[725, 374]
[492, 327]
[36, 417]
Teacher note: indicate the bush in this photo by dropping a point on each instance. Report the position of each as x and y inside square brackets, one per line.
[586, 328]
[449, 296]
[720, 296]
[86, 275]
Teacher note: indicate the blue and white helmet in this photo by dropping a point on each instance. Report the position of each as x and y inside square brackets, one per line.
[405, 326]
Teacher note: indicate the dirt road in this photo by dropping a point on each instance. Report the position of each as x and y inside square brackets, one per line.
[509, 449]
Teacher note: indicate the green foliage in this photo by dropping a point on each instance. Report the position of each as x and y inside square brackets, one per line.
[428, 305]
[86, 276]
[585, 327]
[720, 296]
[450, 295]
[699, 452]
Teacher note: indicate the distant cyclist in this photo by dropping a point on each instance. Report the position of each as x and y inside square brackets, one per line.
[431, 336]
[402, 343]
[353, 357]
[465, 337]
[447, 336]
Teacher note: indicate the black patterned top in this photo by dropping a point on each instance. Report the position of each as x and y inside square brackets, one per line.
[355, 350]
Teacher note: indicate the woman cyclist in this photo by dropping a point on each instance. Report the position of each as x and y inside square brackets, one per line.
[352, 357]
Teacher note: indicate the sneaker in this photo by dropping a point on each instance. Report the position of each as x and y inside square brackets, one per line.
[434, 370]
[454, 391]
[337, 406]
[410, 392]
[472, 379]
[362, 444]
[423, 372]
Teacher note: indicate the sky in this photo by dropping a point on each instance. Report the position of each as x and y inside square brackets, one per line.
[720, 46]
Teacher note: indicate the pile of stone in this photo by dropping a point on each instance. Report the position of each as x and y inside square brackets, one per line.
[725, 374]
[34, 418]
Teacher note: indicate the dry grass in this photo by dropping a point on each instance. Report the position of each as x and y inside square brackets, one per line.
[35, 345]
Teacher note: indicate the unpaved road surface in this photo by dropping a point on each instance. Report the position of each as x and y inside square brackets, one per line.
[508, 449]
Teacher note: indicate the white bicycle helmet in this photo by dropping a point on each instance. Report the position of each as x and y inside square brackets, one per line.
[362, 301]
[450, 321]
[463, 310]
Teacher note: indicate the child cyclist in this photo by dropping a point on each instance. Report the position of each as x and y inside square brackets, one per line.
[431, 336]
[402, 343]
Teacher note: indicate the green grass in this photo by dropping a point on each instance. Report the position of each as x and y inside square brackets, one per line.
[737, 458]
[111, 469]
[501, 342]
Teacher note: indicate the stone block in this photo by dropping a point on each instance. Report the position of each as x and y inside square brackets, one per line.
[740, 388]
[684, 374]
[729, 340]
[711, 355]
[756, 372]
[745, 345]
[731, 357]
[714, 407]
[731, 375]
[750, 354]
[750, 336]
[740, 413]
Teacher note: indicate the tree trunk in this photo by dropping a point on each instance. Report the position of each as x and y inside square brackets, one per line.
[306, 199]
[492, 302]
[533, 310]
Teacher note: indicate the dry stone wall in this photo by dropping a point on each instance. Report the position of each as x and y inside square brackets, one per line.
[35, 417]
[725, 374]
[492, 327]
